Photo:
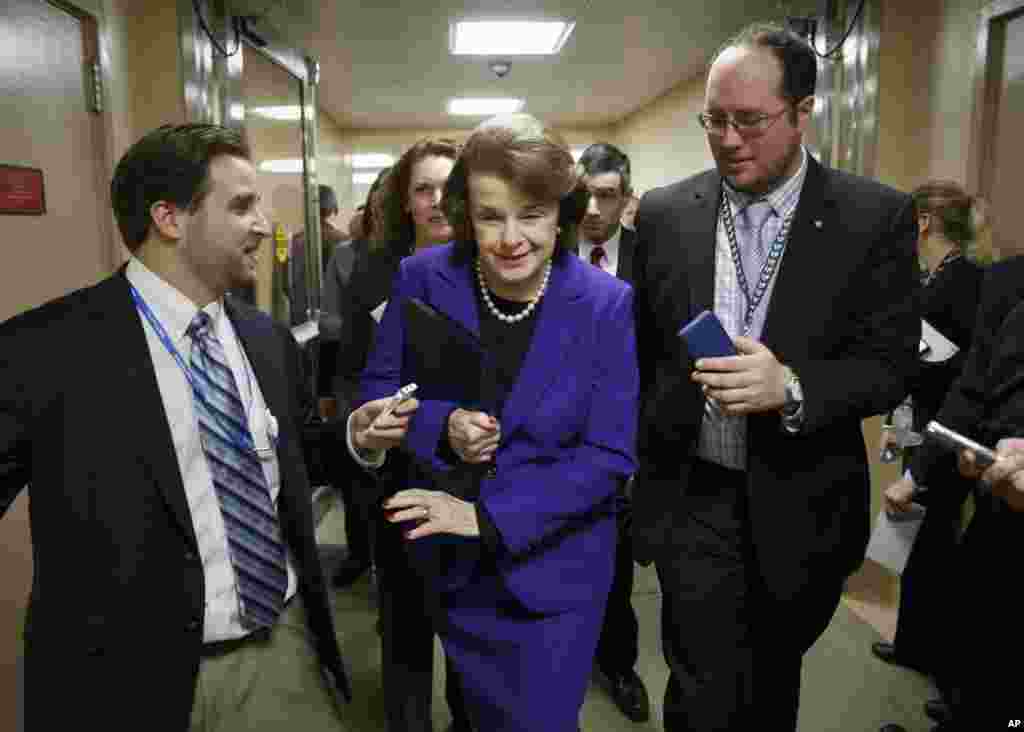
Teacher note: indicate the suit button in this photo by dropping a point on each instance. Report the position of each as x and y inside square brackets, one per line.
[190, 556]
[492, 472]
[193, 625]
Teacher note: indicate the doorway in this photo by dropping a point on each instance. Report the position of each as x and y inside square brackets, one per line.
[49, 129]
[996, 158]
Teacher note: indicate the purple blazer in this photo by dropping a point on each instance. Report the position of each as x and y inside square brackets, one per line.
[568, 428]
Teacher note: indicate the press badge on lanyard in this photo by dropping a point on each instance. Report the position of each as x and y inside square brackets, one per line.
[263, 423]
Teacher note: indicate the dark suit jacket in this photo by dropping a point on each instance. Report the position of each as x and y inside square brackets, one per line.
[841, 315]
[627, 253]
[114, 625]
[568, 427]
[974, 404]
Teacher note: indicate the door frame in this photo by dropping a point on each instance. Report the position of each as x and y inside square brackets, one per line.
[96, 79]
[986, 81]
[213, 93]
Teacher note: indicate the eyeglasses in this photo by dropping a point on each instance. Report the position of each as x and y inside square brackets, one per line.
[746, 125]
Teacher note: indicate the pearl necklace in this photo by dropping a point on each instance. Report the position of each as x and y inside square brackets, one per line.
[523, 314]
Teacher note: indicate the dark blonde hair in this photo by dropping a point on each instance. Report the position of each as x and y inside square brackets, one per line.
[392, 223]
[951, 206]
[521, 150]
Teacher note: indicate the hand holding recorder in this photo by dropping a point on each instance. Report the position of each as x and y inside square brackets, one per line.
[383, 423]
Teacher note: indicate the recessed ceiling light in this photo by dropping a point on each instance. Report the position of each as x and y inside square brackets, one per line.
[508, 37]
[285, 165]
[284, 113]
[484, 107]
[370, 160]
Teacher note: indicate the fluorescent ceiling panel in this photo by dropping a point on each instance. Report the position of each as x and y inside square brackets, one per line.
[376, 161]
[483, 107]
[508, 38]
[285, 113]
[285, 165]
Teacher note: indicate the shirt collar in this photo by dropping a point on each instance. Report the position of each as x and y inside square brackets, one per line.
[172, 309]
[778, 196]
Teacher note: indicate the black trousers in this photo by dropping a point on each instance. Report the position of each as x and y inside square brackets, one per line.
[617, 647]
[983, 592]
[734, 654]
[924, 619]
[353, 484]
[407, 637]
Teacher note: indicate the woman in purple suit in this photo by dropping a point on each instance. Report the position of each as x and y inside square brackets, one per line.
[524, 480]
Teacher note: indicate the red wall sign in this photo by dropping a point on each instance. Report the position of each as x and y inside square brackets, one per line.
[21, 190]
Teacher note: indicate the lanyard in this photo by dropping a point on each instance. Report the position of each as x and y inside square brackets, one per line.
[767, 268]
[241, 438]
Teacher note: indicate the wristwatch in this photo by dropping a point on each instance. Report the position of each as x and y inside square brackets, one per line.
[794, 394]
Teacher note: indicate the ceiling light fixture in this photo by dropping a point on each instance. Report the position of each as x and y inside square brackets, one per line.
[484, 107]
[283, 113]
[370, 160]
[285, 165]
[508, 37]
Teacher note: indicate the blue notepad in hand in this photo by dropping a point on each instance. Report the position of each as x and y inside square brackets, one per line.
[705, 337]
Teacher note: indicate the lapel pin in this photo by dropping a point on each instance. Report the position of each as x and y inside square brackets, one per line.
[817, 223]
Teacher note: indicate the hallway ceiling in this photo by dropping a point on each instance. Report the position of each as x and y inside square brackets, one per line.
[387, 65]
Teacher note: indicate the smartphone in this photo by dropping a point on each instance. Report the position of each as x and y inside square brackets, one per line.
[705, 337]
[400, 396]
[955, 441]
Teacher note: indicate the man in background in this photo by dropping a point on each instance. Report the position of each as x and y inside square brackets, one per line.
[605, 243]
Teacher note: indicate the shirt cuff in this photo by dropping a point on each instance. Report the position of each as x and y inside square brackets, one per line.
[369, 459]
[794, 422]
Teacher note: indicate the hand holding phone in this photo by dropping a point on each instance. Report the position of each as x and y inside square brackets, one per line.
[400, 396]
[983, 456]
[705, 337]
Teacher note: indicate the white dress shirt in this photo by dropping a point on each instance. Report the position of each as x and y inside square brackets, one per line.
[610, 260]
[175, 312]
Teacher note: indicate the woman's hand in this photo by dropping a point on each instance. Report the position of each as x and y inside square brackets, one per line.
[371, 430]
[899, 496]
[438, 512]
[474, 436]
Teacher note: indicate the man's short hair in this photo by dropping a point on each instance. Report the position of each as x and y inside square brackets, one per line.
[171, 163]
[797, 58]
[604, 158]
[328, 201]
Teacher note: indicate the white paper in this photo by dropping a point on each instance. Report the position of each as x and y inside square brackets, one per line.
[937, 346]
[891, 540]
[378, 312]
[306, 331]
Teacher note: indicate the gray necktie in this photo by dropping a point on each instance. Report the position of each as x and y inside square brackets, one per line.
[754, 238]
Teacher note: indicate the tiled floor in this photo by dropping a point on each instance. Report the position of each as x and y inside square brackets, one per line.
[845, 689]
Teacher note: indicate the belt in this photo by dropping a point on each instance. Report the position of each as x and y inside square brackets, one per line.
[223, 647]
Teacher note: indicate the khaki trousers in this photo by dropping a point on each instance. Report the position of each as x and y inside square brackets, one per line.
[272, 684]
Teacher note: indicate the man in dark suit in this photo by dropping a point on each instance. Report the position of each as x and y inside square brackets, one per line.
[985, 403]
[752, 497]
[605, 243]
[177, 583]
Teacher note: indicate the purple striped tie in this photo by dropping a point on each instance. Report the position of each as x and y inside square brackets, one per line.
[254, 534]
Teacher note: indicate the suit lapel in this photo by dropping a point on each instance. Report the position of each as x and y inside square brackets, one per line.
[255, 335]
[456, 296]
[700, 231]
[805, 259]
[552, 342]
[148, 436]
[627, 244]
